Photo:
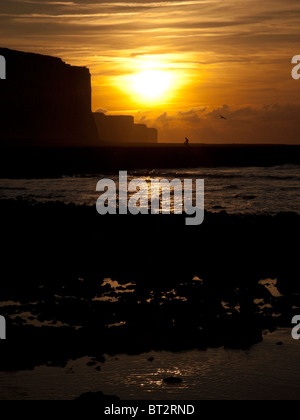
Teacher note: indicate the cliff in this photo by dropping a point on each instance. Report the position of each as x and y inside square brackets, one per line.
[45, 102]
[144, 134]
[120, 129]
[114, 128]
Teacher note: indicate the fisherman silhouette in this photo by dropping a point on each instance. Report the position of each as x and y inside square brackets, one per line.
[186, 141]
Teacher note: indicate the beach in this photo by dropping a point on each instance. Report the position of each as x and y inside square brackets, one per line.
[79, 288]
[207, 375]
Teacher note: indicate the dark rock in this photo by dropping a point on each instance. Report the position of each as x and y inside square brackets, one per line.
[151, 359]
[75, 253]
[97, 396]
[100, 359]
[171, 381]
[91, 364]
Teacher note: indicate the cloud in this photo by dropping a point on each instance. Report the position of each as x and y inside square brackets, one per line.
[102, 111]
[270, 124]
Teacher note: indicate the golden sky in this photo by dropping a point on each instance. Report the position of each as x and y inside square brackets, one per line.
[228, 57]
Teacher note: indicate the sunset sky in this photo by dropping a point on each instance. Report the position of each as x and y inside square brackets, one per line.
[214, 57]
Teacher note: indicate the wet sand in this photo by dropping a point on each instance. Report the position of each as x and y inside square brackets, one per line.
[212, 374]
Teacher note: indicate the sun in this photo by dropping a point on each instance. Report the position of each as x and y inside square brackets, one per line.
[152, 84]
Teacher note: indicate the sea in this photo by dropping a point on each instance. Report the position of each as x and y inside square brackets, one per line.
[250, 190]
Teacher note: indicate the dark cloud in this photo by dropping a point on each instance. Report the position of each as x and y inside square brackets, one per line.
[269, 124]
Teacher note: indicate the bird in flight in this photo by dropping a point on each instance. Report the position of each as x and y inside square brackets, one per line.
[222, 117]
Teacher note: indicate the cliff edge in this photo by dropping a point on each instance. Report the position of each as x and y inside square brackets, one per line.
[44, 101]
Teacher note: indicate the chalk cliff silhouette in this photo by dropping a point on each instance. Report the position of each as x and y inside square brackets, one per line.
[46, 102]
[121, 129]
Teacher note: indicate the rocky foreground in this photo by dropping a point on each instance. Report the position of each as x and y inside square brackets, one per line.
[74, 283]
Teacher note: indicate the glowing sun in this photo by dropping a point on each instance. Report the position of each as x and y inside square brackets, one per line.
[152, 84]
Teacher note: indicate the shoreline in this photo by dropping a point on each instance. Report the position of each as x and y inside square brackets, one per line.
[31, 162]
[207, 375]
